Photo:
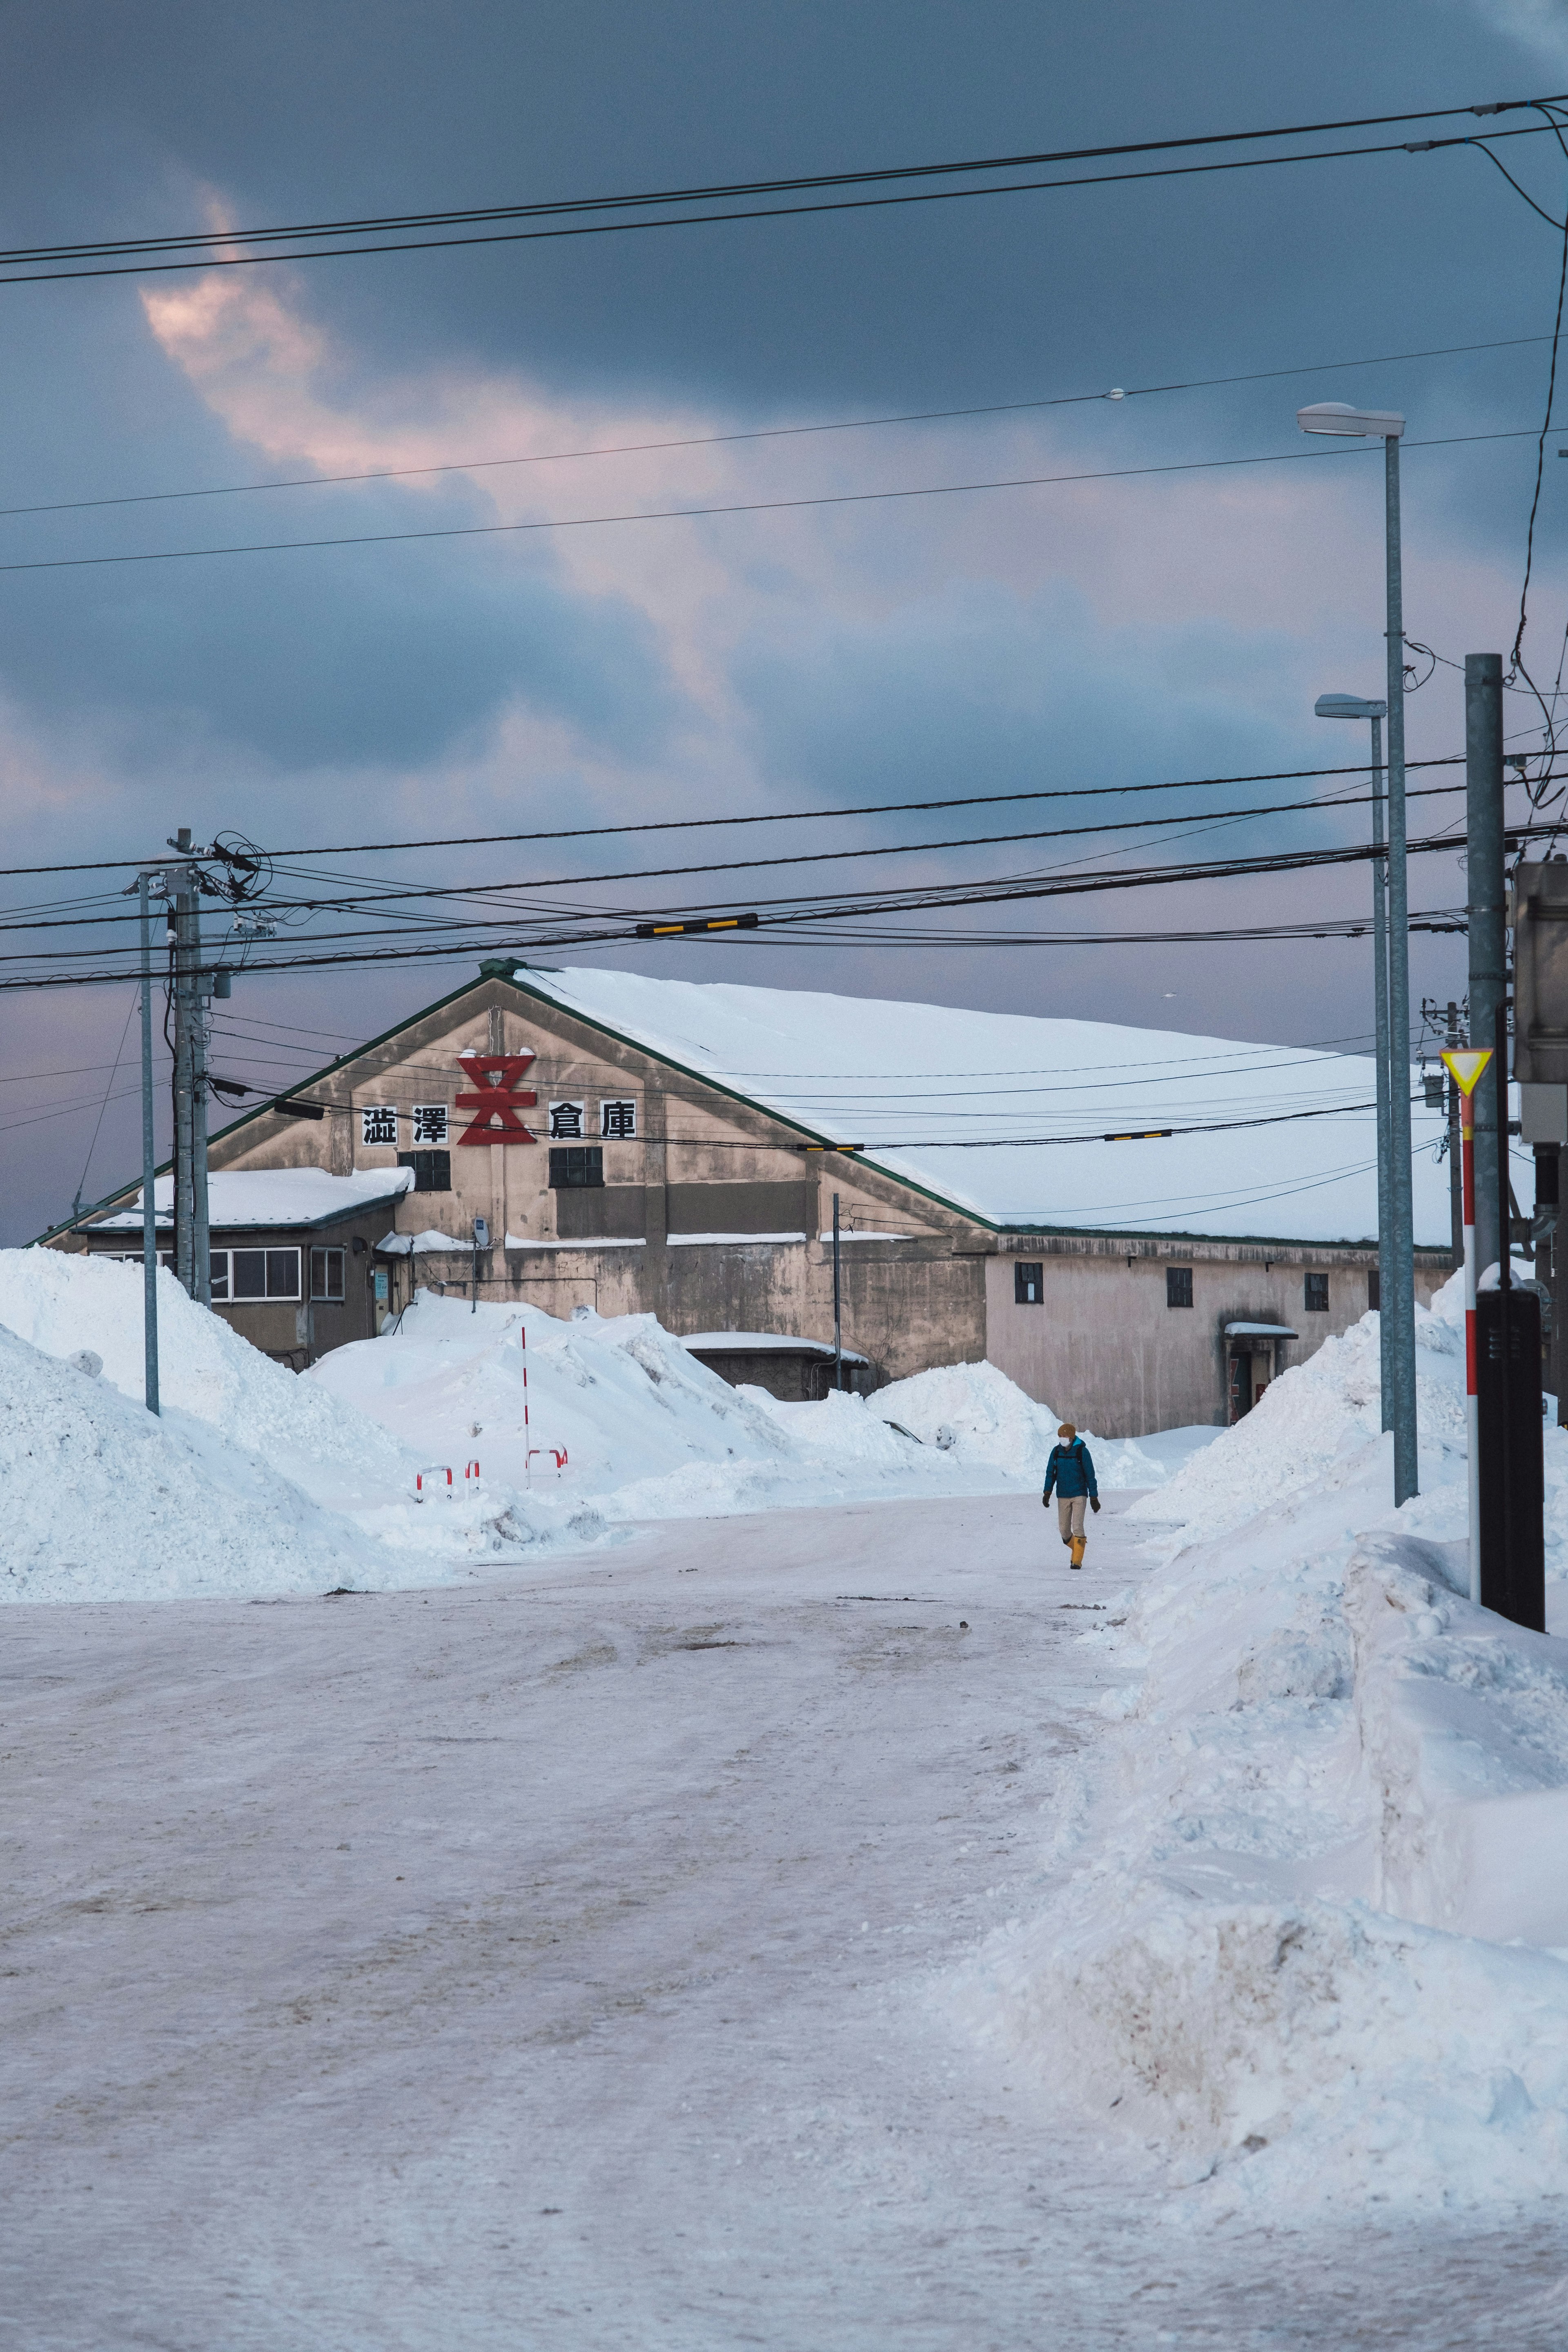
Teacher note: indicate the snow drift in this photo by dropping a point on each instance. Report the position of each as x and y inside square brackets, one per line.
[1315, 1950]
[646, 1431]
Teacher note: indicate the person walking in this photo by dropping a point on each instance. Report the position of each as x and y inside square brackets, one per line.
[1070, 1471]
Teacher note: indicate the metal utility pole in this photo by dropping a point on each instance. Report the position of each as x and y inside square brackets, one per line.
[200, 987]
[1399, 1311]
[838, 1301]
[1486, 912]
[149, 1158]
[184, 1206]
[1398, 1291]
[1353, 705]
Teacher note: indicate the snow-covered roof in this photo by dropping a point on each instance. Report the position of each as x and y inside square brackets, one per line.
[272, 1197]
[1010, 1116]
[762, 1343]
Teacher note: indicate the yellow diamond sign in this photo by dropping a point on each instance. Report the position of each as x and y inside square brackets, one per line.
[1465, 1069]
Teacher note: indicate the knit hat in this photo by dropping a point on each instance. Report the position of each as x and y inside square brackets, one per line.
[1066, 1429]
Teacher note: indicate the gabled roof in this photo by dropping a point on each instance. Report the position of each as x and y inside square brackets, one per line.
[1015, 1122]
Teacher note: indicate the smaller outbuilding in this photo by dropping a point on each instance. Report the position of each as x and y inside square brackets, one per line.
[797, 1371]
[294, 1265]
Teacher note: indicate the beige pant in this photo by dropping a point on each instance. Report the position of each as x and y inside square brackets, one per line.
[1070, 1509]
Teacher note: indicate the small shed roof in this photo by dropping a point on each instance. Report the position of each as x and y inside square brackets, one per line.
[1259, 1332]
[764, 1343]
[271, 1198]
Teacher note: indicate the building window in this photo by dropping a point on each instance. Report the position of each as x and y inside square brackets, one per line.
[575, 1169]
[1373, 1287]
[1317, 1294]
[432, 1170]
[262, 1274]
[1028, 1282]
[1178, 1286]
[327, 1273]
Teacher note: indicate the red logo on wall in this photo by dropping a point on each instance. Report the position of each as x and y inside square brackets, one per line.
[497, 1098]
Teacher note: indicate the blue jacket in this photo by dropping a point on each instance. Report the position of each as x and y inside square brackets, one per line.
[1070, 1471]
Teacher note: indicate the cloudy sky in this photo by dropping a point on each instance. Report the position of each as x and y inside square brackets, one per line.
[1119, 631]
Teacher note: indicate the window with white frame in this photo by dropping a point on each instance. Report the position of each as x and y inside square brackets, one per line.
[243, 1275]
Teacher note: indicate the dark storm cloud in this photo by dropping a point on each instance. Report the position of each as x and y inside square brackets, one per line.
[848, 664]
[361, 657]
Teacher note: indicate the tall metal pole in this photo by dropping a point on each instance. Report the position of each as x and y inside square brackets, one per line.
[1399, 1311]
[185, 1254]
[1485, 913]
[201, 1241]
[1384, 1157]
[837, 1297]
[149, 1164]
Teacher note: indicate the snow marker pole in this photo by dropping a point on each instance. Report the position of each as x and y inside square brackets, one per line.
[1465, 1069]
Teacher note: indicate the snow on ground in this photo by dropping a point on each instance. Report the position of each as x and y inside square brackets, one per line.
[1317, 1946]
[646, 1432]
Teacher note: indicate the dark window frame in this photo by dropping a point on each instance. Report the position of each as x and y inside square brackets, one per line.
[1315, 1293]
[1028, 1282]
[576, 1167]
[322, 1268]
[432, 1170]
[1178, 1286]
[1373, 1288]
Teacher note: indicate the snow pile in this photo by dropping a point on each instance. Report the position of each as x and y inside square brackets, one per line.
[983, 1419]
[602, 1423]
[649, 1433]
[1317, 1949]
[335, 1482]
[103, 1501]
[60, 1304]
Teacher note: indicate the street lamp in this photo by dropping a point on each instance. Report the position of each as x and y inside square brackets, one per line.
[1397, 1284]
[1352, 706]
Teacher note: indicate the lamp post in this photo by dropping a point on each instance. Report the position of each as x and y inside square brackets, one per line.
[1350, 705]
[1398, 1295]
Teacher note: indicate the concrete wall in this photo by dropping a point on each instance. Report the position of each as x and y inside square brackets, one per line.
[1104, 1350]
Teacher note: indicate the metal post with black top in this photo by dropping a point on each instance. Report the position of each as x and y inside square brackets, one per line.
[1507, 1386]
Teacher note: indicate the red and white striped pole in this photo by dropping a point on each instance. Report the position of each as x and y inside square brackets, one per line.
[1465, 1069]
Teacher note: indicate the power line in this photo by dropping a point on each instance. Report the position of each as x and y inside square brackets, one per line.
[744, 506]
[789, 914]
[216, 248]
[364, 901]
[772, 432]
[781, 816]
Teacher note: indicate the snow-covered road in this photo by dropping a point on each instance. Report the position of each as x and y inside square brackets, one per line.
[561, 1962]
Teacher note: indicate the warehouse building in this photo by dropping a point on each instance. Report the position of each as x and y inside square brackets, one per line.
[1140, 1228]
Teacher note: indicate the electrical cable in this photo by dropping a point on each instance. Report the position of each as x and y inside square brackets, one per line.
[720, 190]
[780, 816]
[768, 432]
[218, 245]
[737, 506]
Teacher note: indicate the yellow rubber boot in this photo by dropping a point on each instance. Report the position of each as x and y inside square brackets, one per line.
[1078, 1550]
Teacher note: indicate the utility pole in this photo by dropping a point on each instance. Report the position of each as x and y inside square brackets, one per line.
[838, 1298]
[184, 1204]
[1401, 1307]
[1486, 912]
[149, 1157]
[201, 986]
